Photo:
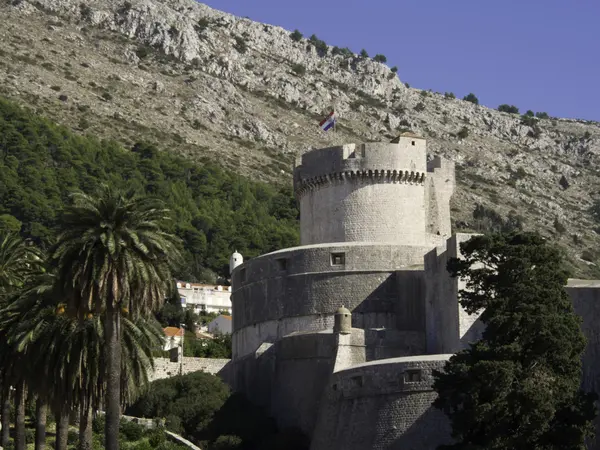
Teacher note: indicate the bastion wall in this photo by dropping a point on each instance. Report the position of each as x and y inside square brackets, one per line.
[382, 405]
[300, 289]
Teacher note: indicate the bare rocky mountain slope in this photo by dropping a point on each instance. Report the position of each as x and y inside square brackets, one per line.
[212, 86]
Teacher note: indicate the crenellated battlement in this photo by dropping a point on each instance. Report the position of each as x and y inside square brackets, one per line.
[364, 176]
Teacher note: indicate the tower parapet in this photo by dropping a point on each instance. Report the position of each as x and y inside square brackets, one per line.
[373, 192]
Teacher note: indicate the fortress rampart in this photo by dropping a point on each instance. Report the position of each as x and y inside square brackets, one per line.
[382, 405]
[299, 289]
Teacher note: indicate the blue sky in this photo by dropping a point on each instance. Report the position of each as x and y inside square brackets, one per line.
[542, 55]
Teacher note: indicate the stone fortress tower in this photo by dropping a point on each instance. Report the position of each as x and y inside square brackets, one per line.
[340, 335]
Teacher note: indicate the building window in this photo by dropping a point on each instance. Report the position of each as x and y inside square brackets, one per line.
[282, 264]
[357, 381]
[243, 276]
[413, 142]
[412, 376]
[338, 259]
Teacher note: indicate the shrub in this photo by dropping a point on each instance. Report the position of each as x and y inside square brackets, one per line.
[143, 445]
[463, 133]
[364, 54]
[407, 85]
[394, 69]
[143, 51]
[227, 443]
[511, 109]
[72, 437]
[558, 226]
[173, 424]
[201, 25]
[471, 98]
[296, 36]
[63, 98]
[542, 115]
[320, 45]
[98, 424]
[56, 88]
[29, 435]
[529, 113]
[528, 120]
[131, 430]
[449, 95]
[157, 437]
[86, 11]
[240, 44]
[106, 96]
[299, 69]
[420, 107]
[380, 58]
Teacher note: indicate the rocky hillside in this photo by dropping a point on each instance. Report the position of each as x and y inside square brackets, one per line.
[213, 86]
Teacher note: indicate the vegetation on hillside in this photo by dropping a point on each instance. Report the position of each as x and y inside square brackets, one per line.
[215, 212]
[519, 386]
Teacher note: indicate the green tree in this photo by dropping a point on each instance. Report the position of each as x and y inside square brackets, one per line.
[519, 386]
[472, 98]
[542, 115]
[529, 113]
[380, 58]
[296, 36]
[511, 109]
[449, 95]
[9, 224]
[114, 258]
[364, 54]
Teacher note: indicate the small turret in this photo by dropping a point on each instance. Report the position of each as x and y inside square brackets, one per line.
[235, 260]
[342, 322]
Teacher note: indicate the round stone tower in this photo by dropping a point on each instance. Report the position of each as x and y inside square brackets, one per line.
[372, 192]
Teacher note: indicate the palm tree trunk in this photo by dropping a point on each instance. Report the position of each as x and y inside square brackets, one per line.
[85, 427]
[62, 428]
[41, 409]
[5, 418]
[113, 377]
[20, 417]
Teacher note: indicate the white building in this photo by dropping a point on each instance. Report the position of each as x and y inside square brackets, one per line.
[173, 337]
[220, 324]
[209, 298]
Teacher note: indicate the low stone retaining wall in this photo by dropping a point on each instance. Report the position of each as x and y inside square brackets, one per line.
[164, 368]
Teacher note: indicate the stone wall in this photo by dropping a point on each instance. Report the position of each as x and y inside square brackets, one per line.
[370, 193]
[585, 295]
[164, 368]
[379, 405]
[449, 327]
[439, 187]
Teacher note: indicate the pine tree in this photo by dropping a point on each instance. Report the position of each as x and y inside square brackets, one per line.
[519, 386]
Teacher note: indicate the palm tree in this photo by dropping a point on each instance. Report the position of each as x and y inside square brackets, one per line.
[112, 258]
[18, 262]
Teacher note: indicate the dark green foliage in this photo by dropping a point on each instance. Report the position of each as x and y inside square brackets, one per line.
[215, 212]
[528, 120]
[471, 98]
[488, 220]
[420, 107]
[201, 25]
[98, 424]
[407, 85]
[542, 115]
[519, 386]
[394, 69]
[219, 347]
[463, 133]
[529, 113]
[320, 45]
[190, 400]
[296, 36]
[595, 210]
[131, 431]
[227, 442]
[449, 95]
[380, 58]
[299, 69]
[508, 109]
[9, 224]
[240, 44]
[364, 54]
[143, 51]
[107, 96]
[156, 437]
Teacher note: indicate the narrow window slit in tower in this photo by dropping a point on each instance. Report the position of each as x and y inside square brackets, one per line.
[243, 275]
[282, 264]
[413, 142]
[338, 259]
[412, 376]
